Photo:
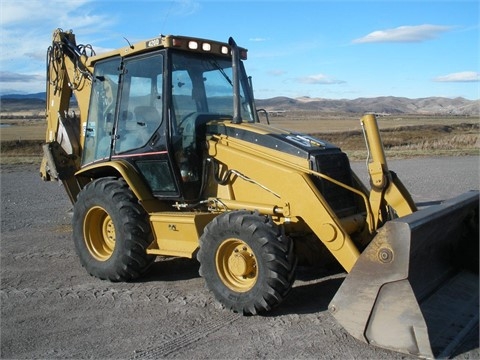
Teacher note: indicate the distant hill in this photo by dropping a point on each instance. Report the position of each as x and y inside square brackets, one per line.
[41, 96]
[381, 105]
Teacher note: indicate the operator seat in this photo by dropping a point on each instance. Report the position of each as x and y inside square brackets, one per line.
[147, 116]
[138, 131]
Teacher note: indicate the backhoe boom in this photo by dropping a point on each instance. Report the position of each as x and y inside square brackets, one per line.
[67, 75]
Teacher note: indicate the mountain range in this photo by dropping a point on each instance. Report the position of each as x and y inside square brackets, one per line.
[382, 105]
[379, 105]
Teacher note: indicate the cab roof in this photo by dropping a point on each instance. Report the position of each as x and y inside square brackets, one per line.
[184, 43]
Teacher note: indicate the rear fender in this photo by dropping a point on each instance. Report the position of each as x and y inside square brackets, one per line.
[126, 171]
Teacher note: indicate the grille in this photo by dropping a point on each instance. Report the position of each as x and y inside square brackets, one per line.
[336, 166]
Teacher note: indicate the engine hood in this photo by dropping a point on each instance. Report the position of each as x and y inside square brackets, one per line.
[285, 141]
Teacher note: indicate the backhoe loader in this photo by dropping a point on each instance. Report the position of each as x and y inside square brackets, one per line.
[168, 157]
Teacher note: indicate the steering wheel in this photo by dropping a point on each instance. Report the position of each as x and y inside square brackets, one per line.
[180, 124]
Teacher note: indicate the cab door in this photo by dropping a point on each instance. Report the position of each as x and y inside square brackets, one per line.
[140, 129]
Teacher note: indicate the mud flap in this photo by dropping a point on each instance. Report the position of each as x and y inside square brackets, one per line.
[415, 287]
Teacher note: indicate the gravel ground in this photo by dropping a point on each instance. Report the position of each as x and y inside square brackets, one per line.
[52, 309]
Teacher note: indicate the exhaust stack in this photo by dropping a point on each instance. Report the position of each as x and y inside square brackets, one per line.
[237, 115]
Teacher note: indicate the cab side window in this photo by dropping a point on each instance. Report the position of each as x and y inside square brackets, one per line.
[98, 128]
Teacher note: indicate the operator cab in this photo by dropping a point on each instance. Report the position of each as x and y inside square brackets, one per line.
[151, 110]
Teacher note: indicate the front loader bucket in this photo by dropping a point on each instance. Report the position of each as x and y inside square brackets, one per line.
[415, 287]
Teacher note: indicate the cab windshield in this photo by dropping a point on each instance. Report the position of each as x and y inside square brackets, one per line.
[203, 85]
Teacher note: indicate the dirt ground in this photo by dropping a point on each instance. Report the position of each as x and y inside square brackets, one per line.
[52, 309]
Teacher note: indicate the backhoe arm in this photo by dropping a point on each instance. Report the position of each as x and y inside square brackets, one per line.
[67, 75]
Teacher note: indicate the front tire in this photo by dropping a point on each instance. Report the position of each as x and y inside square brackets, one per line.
[111, 231]
[247, 262]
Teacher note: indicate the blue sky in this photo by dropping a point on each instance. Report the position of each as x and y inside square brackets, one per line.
[321, 49]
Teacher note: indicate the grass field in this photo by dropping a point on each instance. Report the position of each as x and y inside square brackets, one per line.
[313, 122]
[403, 136]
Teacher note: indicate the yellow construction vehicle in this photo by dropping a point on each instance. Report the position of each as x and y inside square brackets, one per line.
[168, 157]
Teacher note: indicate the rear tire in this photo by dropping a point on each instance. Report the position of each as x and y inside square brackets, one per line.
[111, 231]
[247, 262]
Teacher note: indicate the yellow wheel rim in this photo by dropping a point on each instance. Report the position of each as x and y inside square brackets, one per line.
[99, 232]
[236, 265]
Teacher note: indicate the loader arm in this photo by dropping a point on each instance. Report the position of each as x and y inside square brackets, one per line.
[386, 188]
[67, 75]
[302, 201]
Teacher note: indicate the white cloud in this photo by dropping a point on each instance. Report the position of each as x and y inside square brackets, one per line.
[319, 79]
[416, 33]
[26, 29]
[21, 43]
[464, 76]
[11, 77]
[17, 12]
[13, 82]
[184, 7]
